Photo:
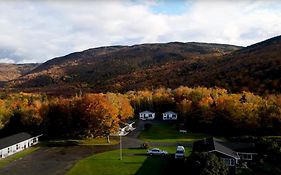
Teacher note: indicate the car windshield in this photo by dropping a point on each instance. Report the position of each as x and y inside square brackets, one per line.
[179, 152]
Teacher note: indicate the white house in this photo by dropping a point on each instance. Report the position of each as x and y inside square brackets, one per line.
[169, 115]
[16, 143]
[147, 115]
[124, 128]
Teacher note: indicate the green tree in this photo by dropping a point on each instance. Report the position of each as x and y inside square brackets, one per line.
[206, 164]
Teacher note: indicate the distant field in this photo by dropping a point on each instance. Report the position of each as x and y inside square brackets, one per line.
[135, 161]
[168, 133]
[7, 160]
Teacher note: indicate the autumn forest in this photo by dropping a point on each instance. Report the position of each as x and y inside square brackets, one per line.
[201, 109]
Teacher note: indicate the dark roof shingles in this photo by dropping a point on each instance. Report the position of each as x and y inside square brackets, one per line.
[14, 139]
[210, 144]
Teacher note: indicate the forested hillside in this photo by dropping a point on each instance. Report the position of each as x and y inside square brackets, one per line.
[12, 71]
[256, 68]
[102, 69]
[209, 110]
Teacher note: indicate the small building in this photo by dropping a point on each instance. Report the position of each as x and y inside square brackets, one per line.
[147, 115]
[16, 143]
[170, 115]
[124, 128]
[231, 157]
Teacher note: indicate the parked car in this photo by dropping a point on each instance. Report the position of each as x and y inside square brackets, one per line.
[179, 152]
[156, 151]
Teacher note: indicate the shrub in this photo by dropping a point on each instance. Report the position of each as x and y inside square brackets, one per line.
[144, 145]
[147, 126]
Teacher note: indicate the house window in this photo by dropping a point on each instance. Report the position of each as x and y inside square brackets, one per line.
[17, 147]
[247, 156]
[229, 162]
[8, 150]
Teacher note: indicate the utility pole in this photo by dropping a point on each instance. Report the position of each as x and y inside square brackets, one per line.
[120, 146]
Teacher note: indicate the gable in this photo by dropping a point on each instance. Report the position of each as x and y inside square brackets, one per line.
[223, 155]
[146, 112]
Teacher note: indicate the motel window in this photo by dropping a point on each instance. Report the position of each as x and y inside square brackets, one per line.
[34, 140]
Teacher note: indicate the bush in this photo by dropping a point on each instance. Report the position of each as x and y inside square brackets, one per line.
[144, 145]
[206, 164]
[147, 126]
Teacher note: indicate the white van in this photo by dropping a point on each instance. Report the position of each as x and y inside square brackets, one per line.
[179, 152]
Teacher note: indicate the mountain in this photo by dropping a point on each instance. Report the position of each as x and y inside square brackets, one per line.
[256, 68]
[13, 71]
[112, 68]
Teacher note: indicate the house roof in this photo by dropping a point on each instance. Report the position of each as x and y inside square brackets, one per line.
[247, 147]
[125, 124]
[129, 122]
[170, 112]
[14, 139]
[122, 125]
[211, 144]
[146, 112]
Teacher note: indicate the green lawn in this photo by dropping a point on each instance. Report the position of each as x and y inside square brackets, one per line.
[72, 142]
[135, 161]
[172, 149]
[7, 160]
[168, 133]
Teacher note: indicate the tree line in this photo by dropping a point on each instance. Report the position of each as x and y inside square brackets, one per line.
[90, 115]
[210, 110]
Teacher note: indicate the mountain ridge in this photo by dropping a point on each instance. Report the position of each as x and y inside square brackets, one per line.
[93, 66]
[150, 65]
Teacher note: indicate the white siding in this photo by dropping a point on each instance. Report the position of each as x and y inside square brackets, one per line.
[18, 147]
[147, 115]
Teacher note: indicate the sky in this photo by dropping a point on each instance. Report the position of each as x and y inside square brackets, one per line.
[34, 31]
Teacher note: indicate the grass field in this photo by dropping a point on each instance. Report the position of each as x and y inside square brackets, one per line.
[135, 161]
[7, 160]
[73, 142]
[172, 149]
[168, 133]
